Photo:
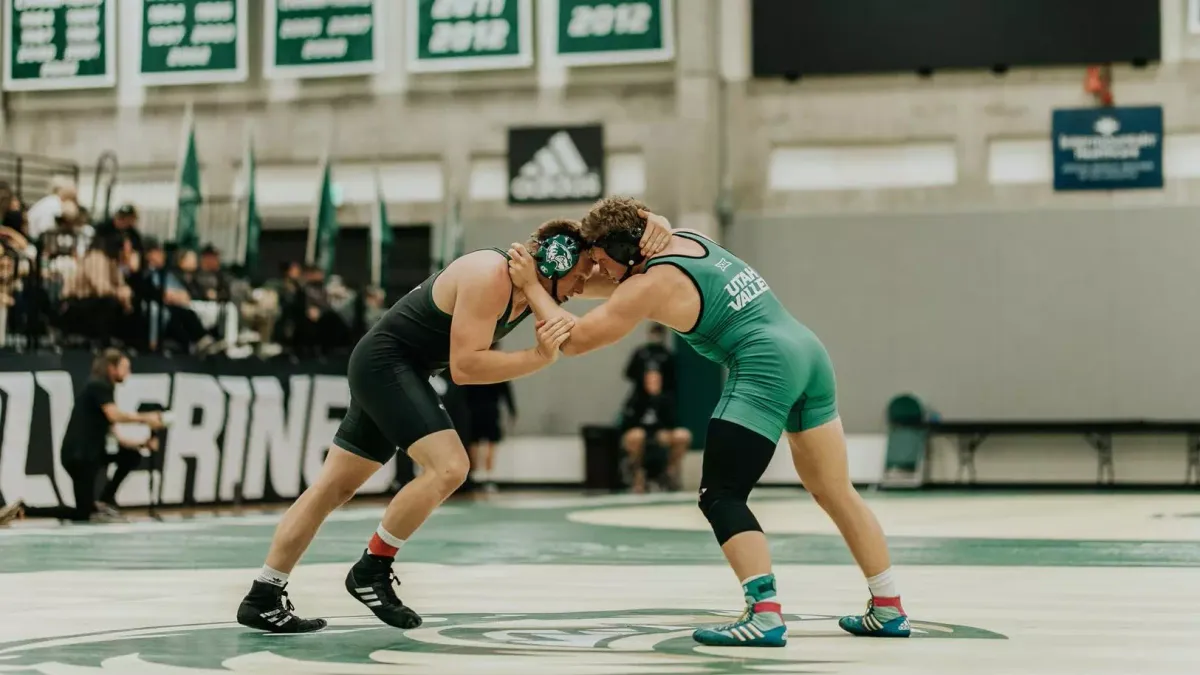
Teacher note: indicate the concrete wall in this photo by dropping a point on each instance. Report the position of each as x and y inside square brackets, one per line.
[991, 297]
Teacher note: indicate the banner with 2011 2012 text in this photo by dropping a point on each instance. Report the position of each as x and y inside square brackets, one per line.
[263, 425]
[451, 35]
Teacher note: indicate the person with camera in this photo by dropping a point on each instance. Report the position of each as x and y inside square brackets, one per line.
[84, 449]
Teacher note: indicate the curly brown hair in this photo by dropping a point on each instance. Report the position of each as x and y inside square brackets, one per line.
[612, 214]
[551, 228]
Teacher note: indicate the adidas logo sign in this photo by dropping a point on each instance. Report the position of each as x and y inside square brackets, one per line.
[557, 171]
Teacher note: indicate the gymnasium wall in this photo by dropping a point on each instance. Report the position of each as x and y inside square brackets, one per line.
[1020, 314]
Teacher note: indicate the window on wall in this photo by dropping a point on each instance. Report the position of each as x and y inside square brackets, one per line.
[408, 263]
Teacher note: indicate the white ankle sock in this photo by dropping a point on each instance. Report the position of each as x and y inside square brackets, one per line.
[882, 585]
[272, 576]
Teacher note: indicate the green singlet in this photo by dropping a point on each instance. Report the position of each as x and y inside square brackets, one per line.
[780, 376]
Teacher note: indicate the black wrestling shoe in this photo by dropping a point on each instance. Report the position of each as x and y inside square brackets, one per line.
[370, 582]
[266, 607]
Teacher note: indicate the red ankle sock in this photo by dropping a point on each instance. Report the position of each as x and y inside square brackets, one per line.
[381, 548]
[889, 602]
[768, 608]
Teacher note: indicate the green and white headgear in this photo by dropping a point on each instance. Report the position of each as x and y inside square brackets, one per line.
[556, 256]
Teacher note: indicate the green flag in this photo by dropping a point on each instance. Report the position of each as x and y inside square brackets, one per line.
[323, 229]
[381, 238]
[251, 224]
[188, 199]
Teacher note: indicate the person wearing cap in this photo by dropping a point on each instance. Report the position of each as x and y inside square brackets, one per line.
[123, 222]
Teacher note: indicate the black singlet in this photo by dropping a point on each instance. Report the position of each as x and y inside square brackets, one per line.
[423, 330]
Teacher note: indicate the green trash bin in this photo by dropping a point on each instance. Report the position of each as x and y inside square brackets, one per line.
[907, 441]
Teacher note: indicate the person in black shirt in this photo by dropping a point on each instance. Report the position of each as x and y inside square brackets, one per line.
[124, 224]
[649, 415]
[653, 355]
[84, 447]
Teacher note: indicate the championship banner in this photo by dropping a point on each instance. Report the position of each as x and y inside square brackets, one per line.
[458, 35]
[261, 425]
[322, 38]
[50, 44]
[602, 32]
[194, 41]
[1108, 148]
[555, 165]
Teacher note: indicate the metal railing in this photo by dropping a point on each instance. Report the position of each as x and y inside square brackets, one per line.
[30, 175]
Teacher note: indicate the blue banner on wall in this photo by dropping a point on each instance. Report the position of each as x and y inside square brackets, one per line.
[1108, 148]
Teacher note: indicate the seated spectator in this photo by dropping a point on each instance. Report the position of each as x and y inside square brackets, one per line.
[374, 305]
[125, 223]
[96, 302]
[318, 327]
[653, 442]
[287, 289]
[62, 202]
[212, 283]
[653, 355]
[165, 303]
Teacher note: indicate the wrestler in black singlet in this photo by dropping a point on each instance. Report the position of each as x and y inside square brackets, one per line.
[392, 404]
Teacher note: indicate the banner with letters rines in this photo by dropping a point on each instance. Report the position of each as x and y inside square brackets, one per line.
[264, 425]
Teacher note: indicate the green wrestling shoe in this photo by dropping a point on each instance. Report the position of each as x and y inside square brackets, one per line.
[884, 618]
[760, 625]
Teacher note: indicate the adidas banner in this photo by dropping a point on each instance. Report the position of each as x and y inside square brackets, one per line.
[263, 426]
[555, 165]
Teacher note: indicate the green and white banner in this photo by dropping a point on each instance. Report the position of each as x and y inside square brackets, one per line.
[322, 38]
[193, 41]
[600, 32]
[59, 44]
[457, 35]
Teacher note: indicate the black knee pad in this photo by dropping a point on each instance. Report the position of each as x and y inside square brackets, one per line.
[734, 459]
[727, 513]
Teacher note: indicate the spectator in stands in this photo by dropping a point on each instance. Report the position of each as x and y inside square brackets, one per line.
[165, 302]
[318, 327]
[212, 283]
[654, 443]
[374, 305]
[96, 300]
[653, 355]
[125, 223]
[60, 203]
